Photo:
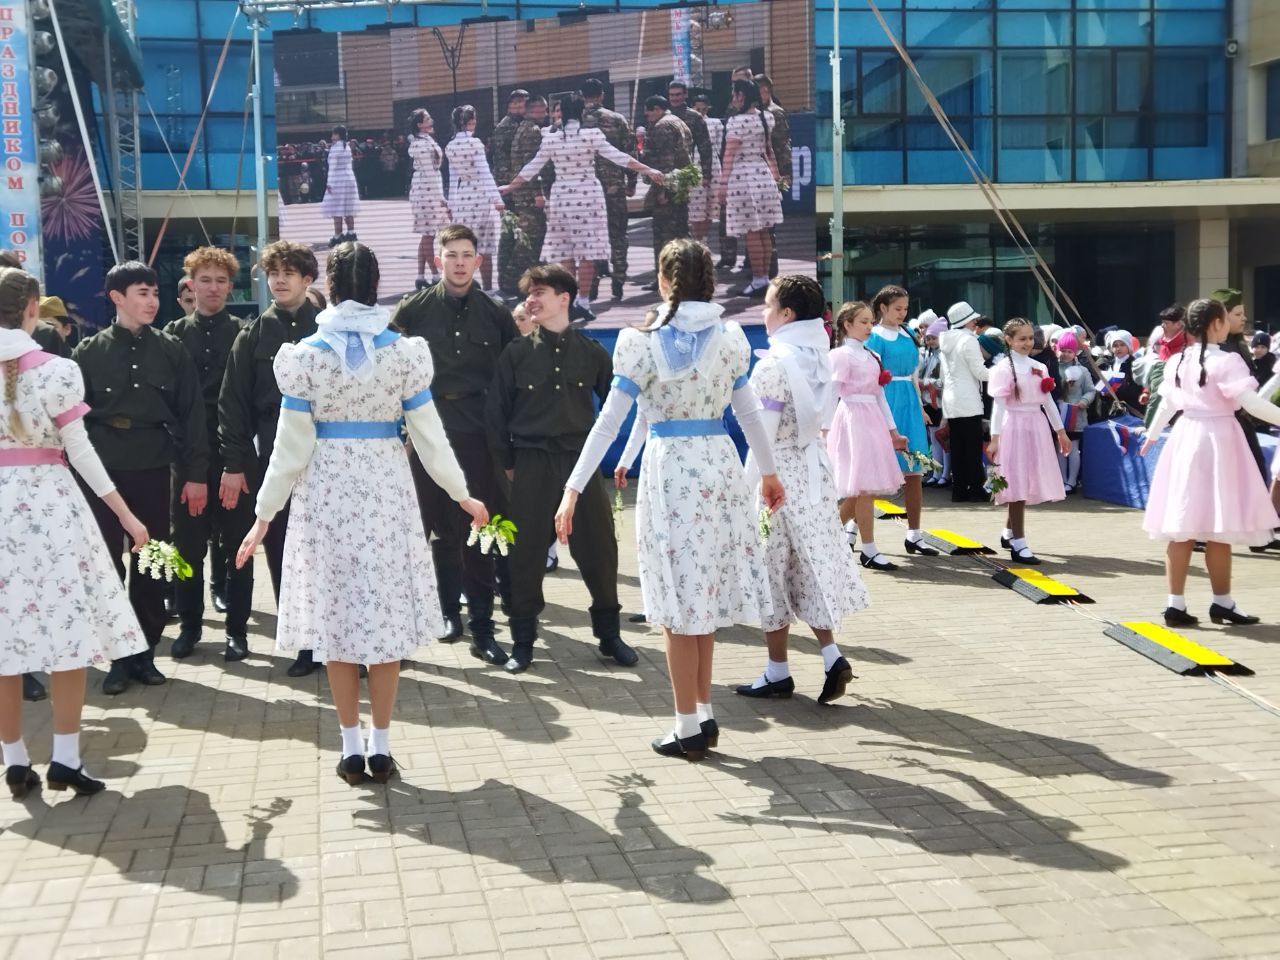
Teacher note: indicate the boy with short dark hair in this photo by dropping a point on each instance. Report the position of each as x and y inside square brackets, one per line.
[146, 418]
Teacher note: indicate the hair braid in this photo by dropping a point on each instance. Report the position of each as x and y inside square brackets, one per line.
[16, 426]
[17, 289]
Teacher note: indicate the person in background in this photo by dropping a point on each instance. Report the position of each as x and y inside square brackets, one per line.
[1263, 361]
[1078, 393]
[618, 184]
[963, 374]
[703, 208]
[186, 299]
[1168, 340]
[48, 331]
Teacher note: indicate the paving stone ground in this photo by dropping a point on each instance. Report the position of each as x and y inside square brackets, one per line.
[1002, 783]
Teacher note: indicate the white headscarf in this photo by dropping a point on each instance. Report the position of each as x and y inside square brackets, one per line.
[349, 328]
[802, 347]
[14, 344]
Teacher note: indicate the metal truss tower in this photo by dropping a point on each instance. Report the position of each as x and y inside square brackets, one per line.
[121, 103]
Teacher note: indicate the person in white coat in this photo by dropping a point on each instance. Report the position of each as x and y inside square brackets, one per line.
[963, 373]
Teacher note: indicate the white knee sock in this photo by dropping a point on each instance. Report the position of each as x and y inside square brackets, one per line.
[380, 741]
[66, 749]
[705, 713]
[352, 746]
[15, 754]
[830, 654]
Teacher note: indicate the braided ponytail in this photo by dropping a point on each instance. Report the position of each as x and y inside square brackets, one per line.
[353, 273]
[1009, 329]
[687, 267]
[1201, 317]
[17, 289]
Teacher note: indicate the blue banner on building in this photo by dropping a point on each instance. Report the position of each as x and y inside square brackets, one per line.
[19, 143]
[801, 196]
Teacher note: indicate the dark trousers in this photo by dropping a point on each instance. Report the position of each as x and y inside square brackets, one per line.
[273, 546]
[459, 568]
[670, 222]
[615, 208]
[967, 473]
[535, 494]
[147, 494]
[192, 535]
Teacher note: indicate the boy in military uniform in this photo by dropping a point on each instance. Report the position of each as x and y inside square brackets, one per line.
[540, 410]
[249, 401]
[528, 201]
[208, 333]
[146, 418]
[667, 146]
[500, 142]
[618, 183]
[466, 331]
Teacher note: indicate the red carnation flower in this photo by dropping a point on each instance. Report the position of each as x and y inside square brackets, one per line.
[1047, 385]
[885, 377]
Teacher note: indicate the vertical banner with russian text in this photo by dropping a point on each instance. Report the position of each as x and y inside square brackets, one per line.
[19, 181]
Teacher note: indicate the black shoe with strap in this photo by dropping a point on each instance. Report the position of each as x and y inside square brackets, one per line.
[1173, 617]
[837, 681]
[878, 562]
[781, 689]
[62, 777]
[919, 547]
[689, 748]
[1024, 556]
[711, 730]
[1231, 616]
[21, 781]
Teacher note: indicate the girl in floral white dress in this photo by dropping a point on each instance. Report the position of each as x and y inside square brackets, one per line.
[702, 566]
[341, 192]
[748, 183]
[358, 582]
[473, 196]
[61, 604]
[577, 225]
[426, 192]
[810, 577]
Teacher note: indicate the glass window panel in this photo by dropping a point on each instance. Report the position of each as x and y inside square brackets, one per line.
[1113, 4]
[880, 82]
[944, 29]
[1113, 29]
[171, 76]
[1273, 101]
[1034, 150]
[931, 157]
[1033, 29]
[216, 17]
[1181, 84]
[1191, 5]
[1034, 5]
[873, 151]
[1110, 148]
[960, 79]
[858, 28]
[1133, 81]
[1190, 29]
[949, 4]
[1189, 148]
[1093, 81]
[1034, 81]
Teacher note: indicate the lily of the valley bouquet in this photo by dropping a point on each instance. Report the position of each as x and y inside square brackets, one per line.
[162, 561]
[995, 480]
[499, 532]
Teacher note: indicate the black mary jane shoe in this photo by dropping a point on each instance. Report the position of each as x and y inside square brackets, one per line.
[33, 690]
[878, 562]
[488, 650]
[1005, 542]
[351, 769]
[21, 781]
[1273, 545]
[711, 730]
[837, 681]
[782, 689]
[382, 767]
[618, 650]
[553, 564]
[1231, 615]
[303, 666]
[690, 748]
[920, 547]
[1173, 617]
[236, 649]
[1024, 556]
[62, 777]
[452, 630]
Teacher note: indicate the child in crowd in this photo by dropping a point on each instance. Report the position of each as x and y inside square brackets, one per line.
[1078, 392]
[1022, 399]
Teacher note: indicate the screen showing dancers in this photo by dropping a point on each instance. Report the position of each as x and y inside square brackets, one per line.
[588, 140]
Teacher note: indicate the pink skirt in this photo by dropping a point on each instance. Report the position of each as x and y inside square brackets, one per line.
[862, 458]
[1028, 460]
[1207, 486]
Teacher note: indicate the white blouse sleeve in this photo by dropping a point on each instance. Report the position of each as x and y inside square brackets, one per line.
[432, 447]
[540, 160]
[636, 439]
[295, 442]
[612, 415]
[609, 152]
[75, 440]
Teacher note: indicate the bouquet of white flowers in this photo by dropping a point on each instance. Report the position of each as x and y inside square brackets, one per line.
[162, 561]
[922, 462]
[995, 480]
[765, 523]
[498, 531]
[617, 514]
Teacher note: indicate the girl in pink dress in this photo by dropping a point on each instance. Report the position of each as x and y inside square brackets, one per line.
[863, 436]
[1206, 486]
[1021, 441]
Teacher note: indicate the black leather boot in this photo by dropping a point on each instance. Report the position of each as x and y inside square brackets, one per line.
[483, 645]
[239, 602]
[524, 631]
[143, 669]
[604, 627]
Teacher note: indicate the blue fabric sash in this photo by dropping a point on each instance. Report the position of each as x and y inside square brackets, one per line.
[688, 428]
[357, 429]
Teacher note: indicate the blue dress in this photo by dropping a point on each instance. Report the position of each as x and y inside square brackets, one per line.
[900, 357]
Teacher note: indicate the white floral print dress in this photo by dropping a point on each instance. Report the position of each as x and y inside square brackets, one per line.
[426, 192]
[341, 192]
[472, 192]
[358, 581]
[61, 603]
[752, 201]
[812, 576]
[701, 561]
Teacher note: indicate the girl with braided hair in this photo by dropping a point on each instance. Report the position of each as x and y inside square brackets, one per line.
[88, 619]
[748, 185]
[1022, 399]
[1206, 486]
[702, 565]
[358, 585]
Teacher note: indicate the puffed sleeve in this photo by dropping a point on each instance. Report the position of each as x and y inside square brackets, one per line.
[62, 391]
[840, 362]
[740, 354]
[1233, 377]
[769, 381]
[293, 376]
[1001, 383]
[633, 368]
[422, 420]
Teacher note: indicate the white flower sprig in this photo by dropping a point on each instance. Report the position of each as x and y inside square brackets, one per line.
[996, 480]
[765, 523]
[499, 530]
[617, 514]
[162, 561]
[922, 462]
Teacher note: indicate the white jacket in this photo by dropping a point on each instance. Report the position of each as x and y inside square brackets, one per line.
[962, 374]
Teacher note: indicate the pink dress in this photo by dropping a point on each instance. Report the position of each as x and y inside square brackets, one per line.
[1206, 485]
[1025, 422]
[863, 461]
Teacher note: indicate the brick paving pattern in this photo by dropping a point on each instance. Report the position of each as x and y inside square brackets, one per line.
[1002, 783]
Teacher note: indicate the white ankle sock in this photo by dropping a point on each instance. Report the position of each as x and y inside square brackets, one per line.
[15, 754]
[1006, 534]
[705, 713]
[66, 749]
[915, 536]
[1177, 602]
[830, 654]
[776, 670]
[1224, 600]
[869, 548]
[1019, 544]
[687, 725]
[380, 741]
[352, 746]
